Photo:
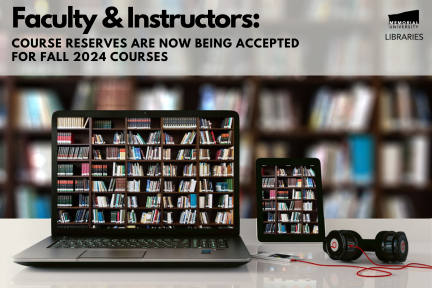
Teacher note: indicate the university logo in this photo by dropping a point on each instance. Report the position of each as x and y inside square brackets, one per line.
[405, 20]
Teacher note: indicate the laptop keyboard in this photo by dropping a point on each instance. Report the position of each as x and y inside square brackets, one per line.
[140, 243]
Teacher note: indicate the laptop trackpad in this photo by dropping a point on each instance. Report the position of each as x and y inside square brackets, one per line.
[113, 253]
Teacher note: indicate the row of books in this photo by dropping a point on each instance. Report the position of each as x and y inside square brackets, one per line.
[114, 153]
[81, 216]
[270, 194]
[151, 217]
[153, 201]
[118, 170]
[329, 109]
[297, 171]
[188, 138]
[72, 153]
[68, 185]
[295, 228]
[184, 186]
[67, 170]
[221, 170]
[72, 122]
[186, 154]
[271, 217]
[64, 201]
[188, 217]
[117, 201]
[153, 170]
[98, 139]
[170, 170]
[221, 218]
[179, 122]
[130, 215]
[350, 161]
[224, 218]
[65, 138]
[404, 108]
[277, 111]
[137, 139]
[405, 162]
[119, 138]
[268, 205]
[154, 138]
[281, 172]
[139, 123]
[135, 169]
[116, 185]
[268, 182]
[99, 170]
[307, 194]
[35, 107]
[292, 182]
[102, 124]
[189, 201]
[309, 182]
[152, 153]
[295, 217]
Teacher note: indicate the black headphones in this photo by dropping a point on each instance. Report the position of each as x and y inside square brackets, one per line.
[389, 246]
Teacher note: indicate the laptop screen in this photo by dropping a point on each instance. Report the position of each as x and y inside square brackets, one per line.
[145, 172]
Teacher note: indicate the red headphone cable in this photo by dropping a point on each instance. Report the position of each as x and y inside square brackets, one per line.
[379, 268]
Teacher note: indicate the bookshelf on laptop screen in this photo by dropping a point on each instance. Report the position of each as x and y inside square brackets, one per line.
[145, 172]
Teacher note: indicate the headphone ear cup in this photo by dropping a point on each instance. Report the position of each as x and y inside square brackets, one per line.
[358, 241]
[325, 245]
[380, 240]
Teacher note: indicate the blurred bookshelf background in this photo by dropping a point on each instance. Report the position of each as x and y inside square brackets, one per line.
[371, 133]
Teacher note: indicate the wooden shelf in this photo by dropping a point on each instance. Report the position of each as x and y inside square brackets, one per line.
[108, 208]
[217, 208]
[180, 129]
[94, 176]
[75, 208]
[180, 145]
[144, 145]
[143, 161]
[71, 129]
[220, 193]
[109, 145]
[215, 129]
[73, 223]
[75, 176]
[141, 193]
[109, 129]
[107, 192]
[179, 161]
[173, 193]
[216, 224]
[142, 177]
[75, 144]
[73, 160]
[143, 129]
[73, 192]
[109, 223]
[216, 161]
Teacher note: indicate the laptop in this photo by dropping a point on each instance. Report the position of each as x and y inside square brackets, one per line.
[143, 188]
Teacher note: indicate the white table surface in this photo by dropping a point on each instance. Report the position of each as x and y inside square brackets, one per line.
[18, 234]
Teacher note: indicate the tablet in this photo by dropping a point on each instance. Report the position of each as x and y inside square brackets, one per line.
[289, 200]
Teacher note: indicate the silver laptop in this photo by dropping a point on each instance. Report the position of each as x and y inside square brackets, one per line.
[142, 188]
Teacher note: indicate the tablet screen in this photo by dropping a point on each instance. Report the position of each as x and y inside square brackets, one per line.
[289, 199]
